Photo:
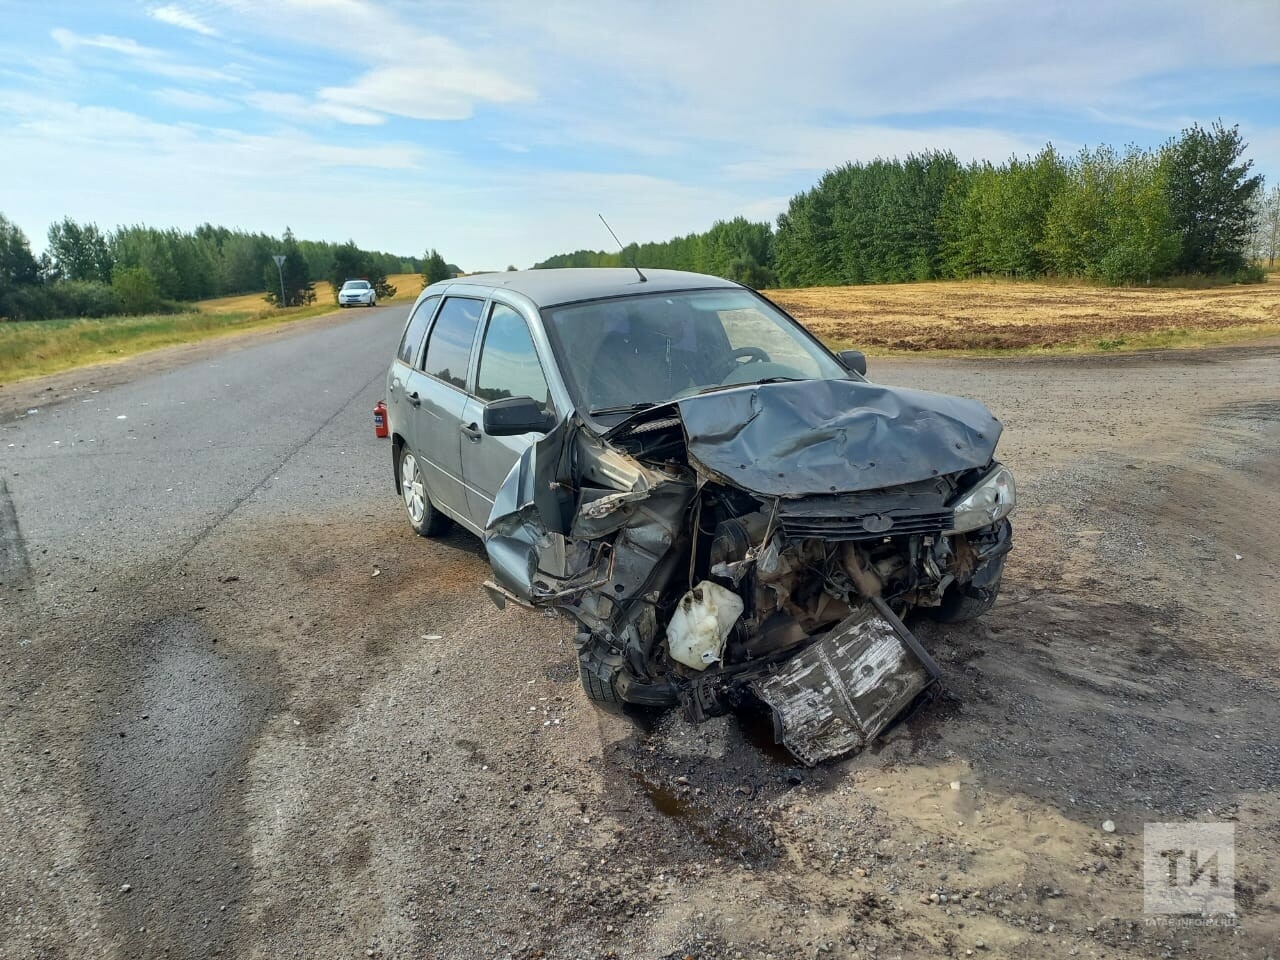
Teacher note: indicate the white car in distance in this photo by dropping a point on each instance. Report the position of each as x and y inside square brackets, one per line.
[357, 293]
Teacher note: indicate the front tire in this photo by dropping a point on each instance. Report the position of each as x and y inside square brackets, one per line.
[425, 519]
[962, 602]
[597, 689]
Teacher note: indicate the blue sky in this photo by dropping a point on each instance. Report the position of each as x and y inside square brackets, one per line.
[495, 131]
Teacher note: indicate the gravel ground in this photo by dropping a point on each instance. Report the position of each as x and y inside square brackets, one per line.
[247, 713]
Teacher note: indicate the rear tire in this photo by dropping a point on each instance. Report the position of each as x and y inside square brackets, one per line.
[962, 602]
[425, 519]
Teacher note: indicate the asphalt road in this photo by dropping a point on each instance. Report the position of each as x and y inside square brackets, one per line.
[246, 712]
[138, 473]
[106, 496]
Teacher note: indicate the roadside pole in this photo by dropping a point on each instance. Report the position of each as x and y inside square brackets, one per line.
[279, 259]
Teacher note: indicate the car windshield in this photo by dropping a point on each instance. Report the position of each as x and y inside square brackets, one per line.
[630, 352]
[356, 285]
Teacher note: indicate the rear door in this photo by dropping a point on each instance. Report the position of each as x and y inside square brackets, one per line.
[509, 366]
[400, 413]
[438, 390]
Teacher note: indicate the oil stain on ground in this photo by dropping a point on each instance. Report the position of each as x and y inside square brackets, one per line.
[164, 769]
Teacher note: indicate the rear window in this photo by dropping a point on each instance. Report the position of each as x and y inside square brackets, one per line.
[449, 344]
[412, 338]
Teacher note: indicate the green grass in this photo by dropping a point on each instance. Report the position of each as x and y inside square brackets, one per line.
[40, 347]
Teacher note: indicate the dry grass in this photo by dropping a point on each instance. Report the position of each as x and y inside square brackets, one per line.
[408, 286]
[995, 316]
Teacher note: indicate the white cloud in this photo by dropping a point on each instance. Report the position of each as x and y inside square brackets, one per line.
[813, 150]
[302, 109]
[404, 70]
[192, 100]
[187, 150]
[113, 166]
[140, 57]
[734, 76]
[175, 16]
[441, 88]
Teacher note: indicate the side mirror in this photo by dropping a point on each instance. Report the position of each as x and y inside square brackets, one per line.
[854, 360]
[512, 416]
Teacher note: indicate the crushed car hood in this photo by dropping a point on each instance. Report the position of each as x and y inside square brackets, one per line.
[801, 438]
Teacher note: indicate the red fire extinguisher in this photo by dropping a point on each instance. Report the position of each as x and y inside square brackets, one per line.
[380, 428]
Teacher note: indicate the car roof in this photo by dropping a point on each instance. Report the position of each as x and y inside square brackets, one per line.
[546, 288]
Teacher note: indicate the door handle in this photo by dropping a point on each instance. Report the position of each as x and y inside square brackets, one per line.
[472, 432]
[414, 399]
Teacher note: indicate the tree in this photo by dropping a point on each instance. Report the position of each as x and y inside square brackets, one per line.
[19, 275]
[17, 265]
[298, 288]
[78, 252]
[141, 246]
[136, 290]
[352, 263]
[434, 269]
[1141, 240]
[1266, 233]
[1210, 198]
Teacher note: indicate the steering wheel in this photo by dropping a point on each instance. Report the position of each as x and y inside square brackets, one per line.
[751, 355]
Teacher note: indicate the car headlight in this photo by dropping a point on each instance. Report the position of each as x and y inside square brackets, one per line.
[989, 500]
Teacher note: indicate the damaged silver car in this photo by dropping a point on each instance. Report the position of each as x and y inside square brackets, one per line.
[726, 510]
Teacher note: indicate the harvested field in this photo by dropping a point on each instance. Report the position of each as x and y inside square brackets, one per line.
[981, 316]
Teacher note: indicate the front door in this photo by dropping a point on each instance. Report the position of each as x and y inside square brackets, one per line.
[509, 367]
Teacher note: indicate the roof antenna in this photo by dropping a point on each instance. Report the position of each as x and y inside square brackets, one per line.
[634, 266]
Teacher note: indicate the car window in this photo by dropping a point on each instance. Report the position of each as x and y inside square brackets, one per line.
[449, 344]
[749, 328]
[417, 326]
[649, 348]
[509, 364]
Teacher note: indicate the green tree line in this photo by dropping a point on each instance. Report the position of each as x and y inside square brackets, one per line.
[737, 249]
[1189, 207]
[88, 272]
